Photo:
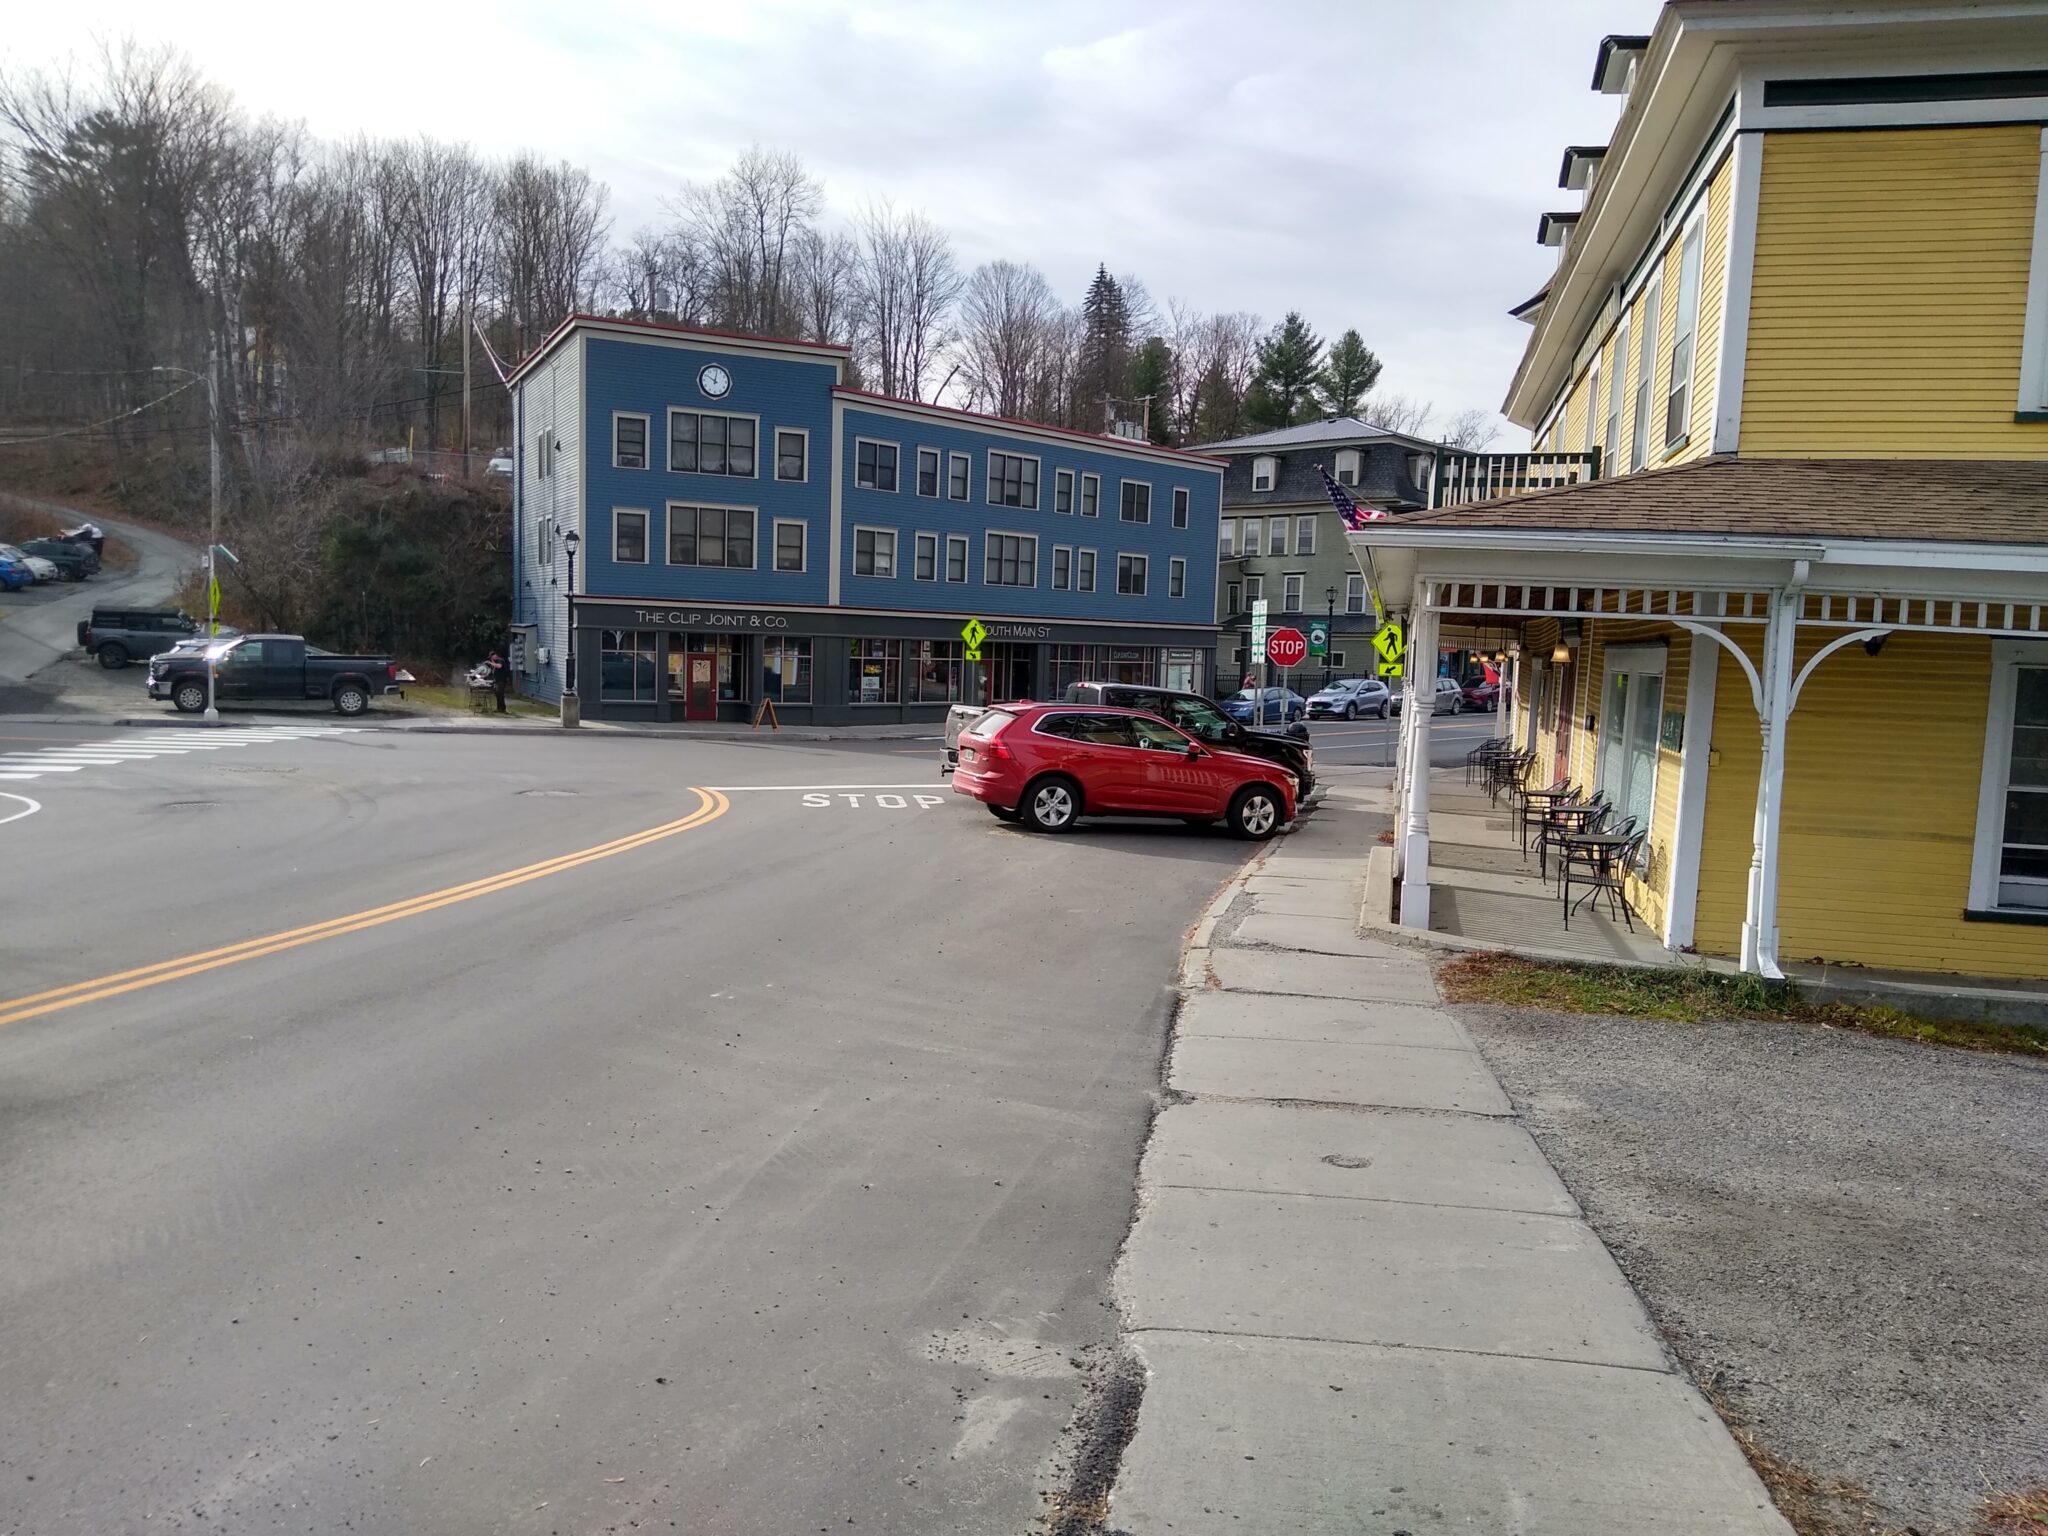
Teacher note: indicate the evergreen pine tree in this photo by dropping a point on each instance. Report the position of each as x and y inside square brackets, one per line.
[1152, 374]
[1105, 361]
[1283, 390]
[1348, 375]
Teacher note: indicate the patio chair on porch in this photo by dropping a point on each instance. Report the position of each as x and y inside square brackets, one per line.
[1562, 817]
[1506, 772]
[1480, 758]
[1536, 804]
[1599, 869]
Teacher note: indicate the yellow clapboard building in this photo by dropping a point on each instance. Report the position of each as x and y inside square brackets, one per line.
[1789, 610]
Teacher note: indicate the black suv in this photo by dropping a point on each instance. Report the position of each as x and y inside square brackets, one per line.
[1202, 720]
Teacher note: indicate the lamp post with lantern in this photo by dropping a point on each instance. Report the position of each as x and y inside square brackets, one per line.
[572, 706]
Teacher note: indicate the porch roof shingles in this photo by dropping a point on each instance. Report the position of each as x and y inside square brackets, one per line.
[1971, 501]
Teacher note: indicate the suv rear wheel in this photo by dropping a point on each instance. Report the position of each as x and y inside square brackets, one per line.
[113, 655]
[1255, 812]
[1052, 804]
[350, 698]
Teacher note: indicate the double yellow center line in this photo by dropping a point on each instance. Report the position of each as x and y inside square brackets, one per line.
[710, 806]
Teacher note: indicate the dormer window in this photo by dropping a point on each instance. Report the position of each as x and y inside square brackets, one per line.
[1265, 472]
[1347, 466]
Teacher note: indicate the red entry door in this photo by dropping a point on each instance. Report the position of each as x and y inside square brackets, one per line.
[1565, 681]
[700, 686]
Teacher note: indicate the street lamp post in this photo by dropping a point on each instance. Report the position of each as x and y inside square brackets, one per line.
[212, 715]
[1329, 629]
[572, 706]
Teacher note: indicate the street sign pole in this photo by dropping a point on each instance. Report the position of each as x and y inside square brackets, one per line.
[1259, 653]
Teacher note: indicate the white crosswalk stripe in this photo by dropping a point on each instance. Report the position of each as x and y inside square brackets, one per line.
[148, 746]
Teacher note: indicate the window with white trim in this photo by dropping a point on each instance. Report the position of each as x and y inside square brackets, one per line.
[1254, 589]
[792, 453]
[1010, 560]
[1254, 535]
[789, 544]
[706, 443]
[927, 471]
[2034, 340]
[1176, 577]
[1226, 538]
[1130, 575]
[1291, 586]
[958, 471]
[1678, 401]
[1012, 480]
[924, 564]
[1276, 536]
[1305, 535]
[1180, 506]
[1063, 490]
[1631, 717]
[1646, 373]
[874, 464]
[2010, 872]
[1233, 598]
[956, 557]
[1348, 466]
[629, 537]
[1265, 471]
[1354, 593]
[718, 536]
[1617, 384]
[1136, 503]
[1062, 568]
[1091, 495]
[1084, 570]
[874, 551]
[1593, 416]
[629, 440]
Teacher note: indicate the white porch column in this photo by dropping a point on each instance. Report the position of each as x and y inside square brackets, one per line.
[1419, 685]
[1760, 918]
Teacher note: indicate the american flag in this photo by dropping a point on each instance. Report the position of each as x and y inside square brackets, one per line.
[1355, 517]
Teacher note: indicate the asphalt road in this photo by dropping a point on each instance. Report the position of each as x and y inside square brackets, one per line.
[39, 624]
[763, 1174]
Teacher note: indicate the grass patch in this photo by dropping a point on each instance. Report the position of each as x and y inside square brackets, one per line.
[453, 699]
[1694, 995]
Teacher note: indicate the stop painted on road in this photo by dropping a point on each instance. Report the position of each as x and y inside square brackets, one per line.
[882, 800]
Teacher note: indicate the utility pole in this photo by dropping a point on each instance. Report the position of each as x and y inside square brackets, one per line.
[213, 519]
[465, 388]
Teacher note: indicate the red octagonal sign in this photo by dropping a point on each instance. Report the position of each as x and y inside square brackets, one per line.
[1287, 647]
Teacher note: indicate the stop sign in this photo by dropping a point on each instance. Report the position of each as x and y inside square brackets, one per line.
[1287, 647]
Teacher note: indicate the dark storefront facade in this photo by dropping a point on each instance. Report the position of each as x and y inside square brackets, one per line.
[705, 662]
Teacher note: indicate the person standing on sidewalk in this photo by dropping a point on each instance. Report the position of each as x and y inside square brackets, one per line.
[498, 672]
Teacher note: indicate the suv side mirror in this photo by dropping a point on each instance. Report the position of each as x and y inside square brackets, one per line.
[1195, 749]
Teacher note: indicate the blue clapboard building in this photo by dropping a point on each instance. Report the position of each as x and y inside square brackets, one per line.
[748, 526]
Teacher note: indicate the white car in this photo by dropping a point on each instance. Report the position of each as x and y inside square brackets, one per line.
[501, 464]
[43, 570]
[1449, 700]
[1350, 697]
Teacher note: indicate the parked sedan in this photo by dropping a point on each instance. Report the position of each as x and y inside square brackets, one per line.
[14, 575]
[1448, 698]
[1350, 697]
[39, 568]
[1048, 765]
[1265, 706]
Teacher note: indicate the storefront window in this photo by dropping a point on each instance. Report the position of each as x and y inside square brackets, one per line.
[1138, 664]
[626, 666]
[941, 670]
[786, 671]
[874, 671]
[1078, 664]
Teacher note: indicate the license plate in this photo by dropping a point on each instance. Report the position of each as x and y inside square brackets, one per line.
[967, 754]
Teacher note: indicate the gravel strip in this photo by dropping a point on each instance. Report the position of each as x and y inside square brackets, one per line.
[1844, 1238]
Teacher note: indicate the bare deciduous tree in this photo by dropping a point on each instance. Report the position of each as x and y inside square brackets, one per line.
[823, 286]
[551, 228]
[1471, 430]
[1007, 310]
[907, 283]
[745, 224]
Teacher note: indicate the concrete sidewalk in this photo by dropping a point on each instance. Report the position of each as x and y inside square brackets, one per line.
[1364, 1301]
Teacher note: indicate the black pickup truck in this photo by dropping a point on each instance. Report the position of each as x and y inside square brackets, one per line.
[271, 667]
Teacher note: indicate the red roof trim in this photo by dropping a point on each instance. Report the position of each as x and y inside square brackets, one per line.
[1098, 439]
[661, 328]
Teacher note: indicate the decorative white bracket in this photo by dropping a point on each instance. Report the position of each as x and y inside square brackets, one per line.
[1756, 684]
[1861, 636]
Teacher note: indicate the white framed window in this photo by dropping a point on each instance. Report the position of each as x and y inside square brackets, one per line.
[544, 541]
[1176, 577]
[1134, 504]
[956, 557]
[1678, 399]
[874, 464]
[712, 443]
[1646, 373]
[1254, 589]
[2009, 871]
[927, 471]
[1349, 461]
[924, 564]
[544, 454]
[1593, 412]
[629, 439]
[629, 537]
[792, 453]
[1354, 593]
[1130, 575]
[1226, 538]
[791, 535]
[1305, 535]
[874, 551]
[1084, 570]
[1180, 506]
[715, 536]
[1063, 490]
[1276, 536]
[1617, 386]
[1265, 472]
[1009, 560]
[959, 470]
[1254, 535]
[1631, 713]
[2034, 342]
[1012, 480]
[1291, 586]
[1091, 495]
[1062, 567]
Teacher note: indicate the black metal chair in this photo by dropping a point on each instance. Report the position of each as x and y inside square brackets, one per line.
[1536, 804]
[1480, 758]
[1505, 773]
[1587, 815]
[1601, 870]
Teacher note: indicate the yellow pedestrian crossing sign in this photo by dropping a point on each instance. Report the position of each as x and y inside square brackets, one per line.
[1388, 641]
[974, 632]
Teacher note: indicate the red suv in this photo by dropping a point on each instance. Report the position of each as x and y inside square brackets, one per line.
[1051, 764]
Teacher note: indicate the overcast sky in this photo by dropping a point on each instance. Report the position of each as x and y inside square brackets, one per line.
[1372, 163]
